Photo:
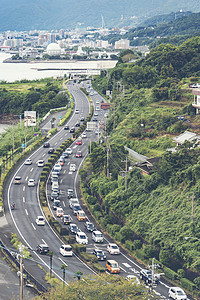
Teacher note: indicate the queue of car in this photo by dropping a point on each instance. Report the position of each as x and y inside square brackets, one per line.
[66, 250]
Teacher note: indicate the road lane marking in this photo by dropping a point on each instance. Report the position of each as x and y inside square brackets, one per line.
[70, 173]
[68, 162]
[56, 143]
[43, 154]
[126, 265]
[33, 226]
[26, 211]
[31, 170]
[63, 261]
[44, 242]
[123, 269]
[23, 188]
[61, 181]
[64, 171]
[23, 199]
[61, 138]
[26, 178]
[64, 204]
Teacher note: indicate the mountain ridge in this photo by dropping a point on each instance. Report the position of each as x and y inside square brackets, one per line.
[48, 14]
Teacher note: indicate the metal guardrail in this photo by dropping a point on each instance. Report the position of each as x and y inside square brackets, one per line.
[14, 257]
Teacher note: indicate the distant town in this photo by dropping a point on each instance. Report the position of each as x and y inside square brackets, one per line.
[87, 44]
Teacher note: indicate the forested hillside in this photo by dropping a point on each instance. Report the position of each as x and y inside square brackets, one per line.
[154, 214]
[40, 96]
[174, 31]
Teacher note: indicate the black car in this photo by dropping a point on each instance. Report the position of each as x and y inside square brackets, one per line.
[99, 254]
[89, 226]
[82, 119]
[54, 195]
[76, 208]
[46, 145]
[51, 151]
[72, 130]
[94, 120]
[65, 154]
[56, 203]
[66, 219]
[42, 249]
[146, 275]
[78, 125]
[73, 228]
[66, 127]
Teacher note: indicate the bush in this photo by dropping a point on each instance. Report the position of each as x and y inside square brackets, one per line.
[129, 245]
[99, 268]
[137, 244]
[79, 248]
[149, 251]
[187, 284]
[140, 254]
[170, 274]
[181, 273]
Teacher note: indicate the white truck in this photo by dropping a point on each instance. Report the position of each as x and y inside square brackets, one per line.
[91, 126]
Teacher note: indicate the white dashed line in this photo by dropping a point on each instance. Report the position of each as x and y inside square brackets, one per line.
[43, 154]
[44, 242]
[126, 265]
[68, 163]
[26, 211]
[64, 204]
[23, 188]
[26, 178]
[61, 138]
[33, 226]
[123, 269]
[64, 171]
[56, 143]
[31, 170]
[63, 261]
[61, 181]
[23, 199]
[70, 173]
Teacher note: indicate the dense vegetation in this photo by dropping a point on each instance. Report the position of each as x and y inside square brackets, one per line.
[155, 32]
[154, 214]
[98, 288]
[40, 96]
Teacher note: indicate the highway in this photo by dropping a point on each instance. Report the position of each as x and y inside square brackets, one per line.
[28, 205]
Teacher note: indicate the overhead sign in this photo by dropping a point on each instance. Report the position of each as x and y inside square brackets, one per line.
[23, 146]
[30, 118]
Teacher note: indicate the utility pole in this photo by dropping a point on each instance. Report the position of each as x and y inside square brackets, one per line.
[107, 143]
[126, 172]
[21, 271]
[114, 116]
[153, 271]
[51, 262]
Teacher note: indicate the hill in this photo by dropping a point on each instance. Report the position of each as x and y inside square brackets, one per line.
[49, 14]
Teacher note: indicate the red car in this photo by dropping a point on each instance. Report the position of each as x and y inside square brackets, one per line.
[79, 142]
[79, 154]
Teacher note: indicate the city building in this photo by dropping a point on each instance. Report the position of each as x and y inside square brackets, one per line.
[53, 49]
[122, 44]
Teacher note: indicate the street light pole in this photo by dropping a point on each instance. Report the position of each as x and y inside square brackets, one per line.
[21, 271]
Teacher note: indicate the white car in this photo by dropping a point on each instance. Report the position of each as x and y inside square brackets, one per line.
[83, 135]
[66, 250]
[97, 102]
[40, 220]
[72, 202]
[69, 150]
[133, 278]
[57, 166]
[81, 238]
[28, 161]
[40, 163]
[72, 167]
[31, 182]
[177, 293]
[59, 212]
[76, 111]
[113, 248]
[97, 107]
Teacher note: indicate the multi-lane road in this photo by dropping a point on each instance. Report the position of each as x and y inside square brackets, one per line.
[28, 204]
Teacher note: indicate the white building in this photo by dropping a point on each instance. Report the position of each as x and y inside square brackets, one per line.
[122, 44]
[53, 49]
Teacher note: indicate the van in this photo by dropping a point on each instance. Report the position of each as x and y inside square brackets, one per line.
[81, 238]
[97, 236]
[72, 167]
[112, 266]
[55, 185]
[59, 212]
[81, 215]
